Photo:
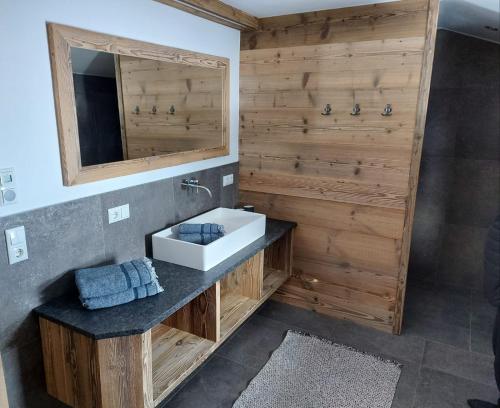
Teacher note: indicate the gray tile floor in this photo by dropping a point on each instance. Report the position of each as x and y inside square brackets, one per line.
[445, 350]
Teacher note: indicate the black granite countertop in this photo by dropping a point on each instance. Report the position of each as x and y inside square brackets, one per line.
[181, 285]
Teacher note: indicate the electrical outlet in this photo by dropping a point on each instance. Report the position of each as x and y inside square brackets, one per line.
[119, 213]
[17, 248]
[227, 180]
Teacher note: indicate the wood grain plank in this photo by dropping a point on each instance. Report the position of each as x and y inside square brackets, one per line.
[325, 189]
[201, 316]
[333, 57]
[296, 295]
[347, 276]
[218, 11]
[176, 354]
[247, 279]
[348, 248]
[156, 86]
[374, 22]
[343, 178]
[279, 255]
[332, 215]
[124, 387]
[431, 30]
[88, 373]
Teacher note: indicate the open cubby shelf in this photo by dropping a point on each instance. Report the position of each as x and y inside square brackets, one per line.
[175, 354]
[177, 351]
[236, 308]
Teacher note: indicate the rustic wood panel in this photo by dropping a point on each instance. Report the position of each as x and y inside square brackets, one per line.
[128, 386]
[158, 85]
[236, 308]
[218, 11]
[375, 22]
[345, 179]
[279, 255]
[343, 308]
[247, 279]
[333, 215]
[176, 354]
[418, 140]
[82, 372]
[201, 316]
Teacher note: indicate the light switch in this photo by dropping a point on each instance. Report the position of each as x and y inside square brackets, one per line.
[17, 248]
[227, 180]
[114, 214]
[7, 187]
[125, 211]
[119, 213]
[17, 236]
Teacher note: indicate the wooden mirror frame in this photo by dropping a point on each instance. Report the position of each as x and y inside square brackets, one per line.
[61, 39]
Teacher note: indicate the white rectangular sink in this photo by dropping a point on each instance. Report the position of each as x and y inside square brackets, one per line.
[241, 227]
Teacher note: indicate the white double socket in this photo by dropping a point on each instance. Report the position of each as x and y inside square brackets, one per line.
[17, 248]
[119, 213]
[227, 180]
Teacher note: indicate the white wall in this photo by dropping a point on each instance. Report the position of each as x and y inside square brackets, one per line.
[28, 129]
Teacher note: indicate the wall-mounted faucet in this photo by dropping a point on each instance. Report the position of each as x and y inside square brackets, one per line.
[194, 183]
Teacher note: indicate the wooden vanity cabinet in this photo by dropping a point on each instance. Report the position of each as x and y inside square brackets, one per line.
[142, 370]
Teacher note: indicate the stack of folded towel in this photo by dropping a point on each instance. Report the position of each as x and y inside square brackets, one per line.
[113, 285]
[200, 233]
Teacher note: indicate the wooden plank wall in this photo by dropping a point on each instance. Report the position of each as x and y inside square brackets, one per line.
[345, 179]
[196, 94]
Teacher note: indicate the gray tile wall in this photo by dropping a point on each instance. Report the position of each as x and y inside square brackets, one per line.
[459, 187]
[76, 234]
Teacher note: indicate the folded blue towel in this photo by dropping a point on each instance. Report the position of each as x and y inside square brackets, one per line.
[111, 279]
[200, 229]
[201, 239]
[120, 298]
[114, 285]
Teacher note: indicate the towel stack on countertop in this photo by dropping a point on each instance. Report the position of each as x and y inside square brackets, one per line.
[114, 285]
[200, 233]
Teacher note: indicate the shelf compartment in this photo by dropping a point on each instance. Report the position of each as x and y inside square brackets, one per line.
[236, 308]
[176, 354]
[273, 279]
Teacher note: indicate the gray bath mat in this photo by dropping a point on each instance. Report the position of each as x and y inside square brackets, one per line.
[309, 372]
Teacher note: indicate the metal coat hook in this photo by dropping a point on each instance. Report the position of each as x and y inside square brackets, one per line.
[356, 110]
[172, 110]
[137, 110]
[154, 110]
[327, 110]
[387, 110]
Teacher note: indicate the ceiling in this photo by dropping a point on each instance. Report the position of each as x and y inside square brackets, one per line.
[469, 17]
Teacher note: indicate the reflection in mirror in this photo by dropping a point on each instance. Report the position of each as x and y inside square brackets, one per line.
[97, 112]
[129, 107]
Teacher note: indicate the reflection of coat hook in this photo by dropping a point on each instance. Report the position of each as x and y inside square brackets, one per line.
[172, 110]
[387, 110]
[356, 110]
[153, 111]
[327, 110]
[137, 110]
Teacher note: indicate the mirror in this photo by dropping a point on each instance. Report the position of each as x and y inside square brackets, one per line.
[126, 106]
